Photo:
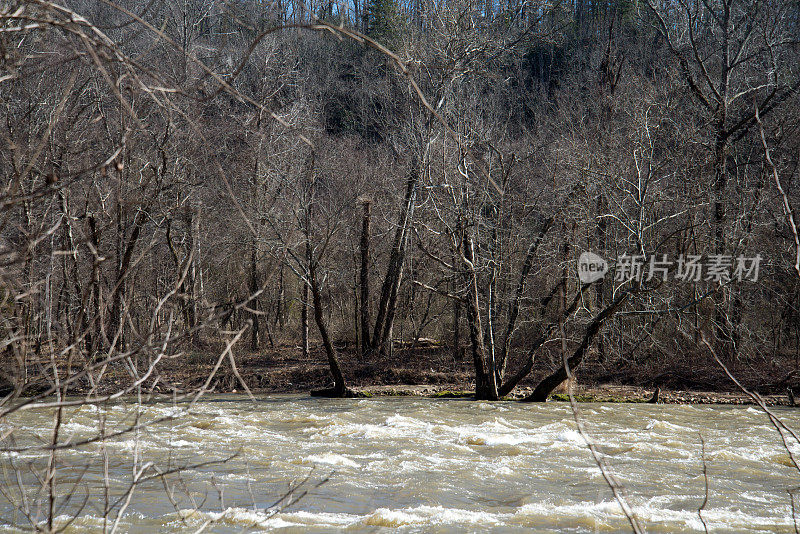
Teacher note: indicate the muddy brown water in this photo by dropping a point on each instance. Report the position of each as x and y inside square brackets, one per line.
[415, 465]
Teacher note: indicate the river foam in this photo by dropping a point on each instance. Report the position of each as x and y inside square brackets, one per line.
[420, 465]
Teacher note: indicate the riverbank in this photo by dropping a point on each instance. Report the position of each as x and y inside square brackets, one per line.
[433, 371]
[608, 393]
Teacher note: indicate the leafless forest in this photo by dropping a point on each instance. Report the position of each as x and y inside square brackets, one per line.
[191, 177]
[185, 184]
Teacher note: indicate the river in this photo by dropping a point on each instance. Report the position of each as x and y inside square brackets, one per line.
[413, 464]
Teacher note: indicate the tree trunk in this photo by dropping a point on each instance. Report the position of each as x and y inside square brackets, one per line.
[363, 281]
[485, 377]
[599, 288]
[255, 333]
[394, 273]
[279, 311]
[74, 273]
[339, 389]
[304, 322]
[551, 382]
[509, 385]
[118, 293]
[193, 227]
[513, 311]
[97, 315]
[456, 330]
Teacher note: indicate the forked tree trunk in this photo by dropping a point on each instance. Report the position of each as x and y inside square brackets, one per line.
[527, 365]
[394, 274]
[513, 311]
[485, 377]
[551, 382]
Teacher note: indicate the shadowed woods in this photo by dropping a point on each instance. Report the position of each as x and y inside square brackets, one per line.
[225, 195]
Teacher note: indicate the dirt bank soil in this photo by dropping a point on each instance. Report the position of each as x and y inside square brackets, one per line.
[433, 371]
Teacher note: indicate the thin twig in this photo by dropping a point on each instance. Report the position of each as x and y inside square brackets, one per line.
[705, 483]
